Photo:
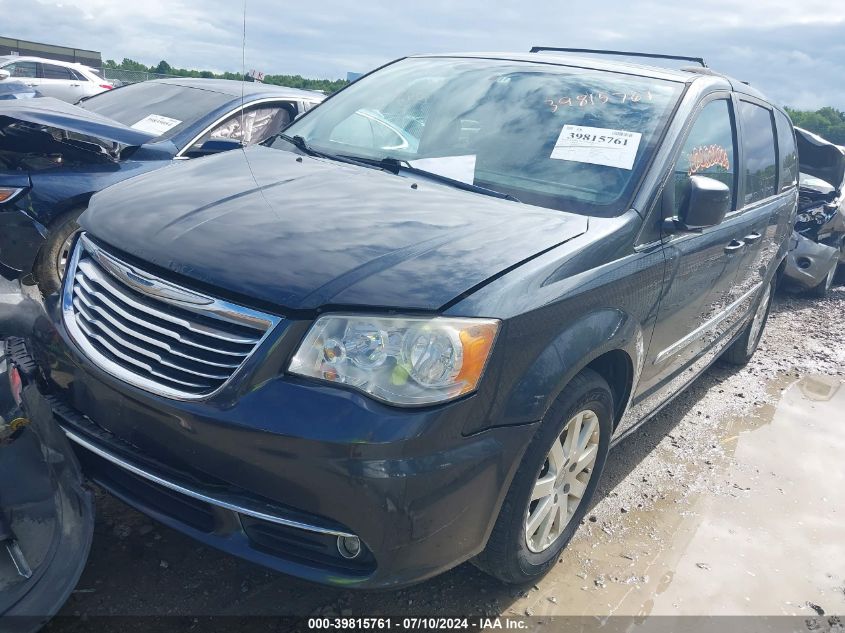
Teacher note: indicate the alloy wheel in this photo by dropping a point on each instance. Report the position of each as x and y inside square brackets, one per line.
[562, 480]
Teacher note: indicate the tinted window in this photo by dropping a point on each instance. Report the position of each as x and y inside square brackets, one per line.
[21, 69]
[758, 143]
[56, 72]
[787, 150]
[552, 136]
[708, 151]
[168, 104]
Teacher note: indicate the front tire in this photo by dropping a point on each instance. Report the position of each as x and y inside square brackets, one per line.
[53, 257]
[554, 484]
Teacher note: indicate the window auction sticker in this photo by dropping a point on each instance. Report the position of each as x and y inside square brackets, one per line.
[597, 146]
[156, 124]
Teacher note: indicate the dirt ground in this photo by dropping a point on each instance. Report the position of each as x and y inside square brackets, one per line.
[737, 484]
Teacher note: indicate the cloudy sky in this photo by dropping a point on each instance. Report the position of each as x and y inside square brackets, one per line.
[794, 50]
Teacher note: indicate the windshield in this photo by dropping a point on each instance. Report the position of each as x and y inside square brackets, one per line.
[553, 136]
[161, 109]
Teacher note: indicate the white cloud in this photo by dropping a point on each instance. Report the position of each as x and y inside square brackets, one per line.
[791, 50]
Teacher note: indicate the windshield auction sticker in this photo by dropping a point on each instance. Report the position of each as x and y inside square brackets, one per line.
[597, 146]
[156, 124]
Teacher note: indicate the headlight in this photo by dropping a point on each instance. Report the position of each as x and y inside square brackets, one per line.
[404, 361]
[7, 193]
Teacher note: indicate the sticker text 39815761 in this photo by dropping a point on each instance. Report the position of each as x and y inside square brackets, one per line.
[597, 146]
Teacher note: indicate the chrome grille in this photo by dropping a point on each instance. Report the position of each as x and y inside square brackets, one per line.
[152, 333]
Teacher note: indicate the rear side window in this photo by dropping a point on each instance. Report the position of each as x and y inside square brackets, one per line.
[709, 151]
[787, 150]
[758, 143]
[22, 69]
[56, 72]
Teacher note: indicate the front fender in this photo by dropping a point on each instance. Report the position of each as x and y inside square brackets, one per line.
[571, 350]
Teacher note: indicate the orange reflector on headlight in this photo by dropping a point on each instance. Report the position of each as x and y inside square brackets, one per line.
[476, 342]
[7, 193]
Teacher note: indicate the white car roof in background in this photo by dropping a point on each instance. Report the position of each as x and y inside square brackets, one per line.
[30, 58]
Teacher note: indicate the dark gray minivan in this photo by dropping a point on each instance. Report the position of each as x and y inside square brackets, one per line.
[405, 332]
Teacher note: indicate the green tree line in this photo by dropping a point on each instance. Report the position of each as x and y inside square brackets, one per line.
[292, 81]
[827, 122]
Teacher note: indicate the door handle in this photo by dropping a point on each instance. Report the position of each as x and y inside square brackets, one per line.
[752, 238]
[734, 246]
[74, 85]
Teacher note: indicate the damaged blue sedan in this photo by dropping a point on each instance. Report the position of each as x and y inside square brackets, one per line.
[54, 156]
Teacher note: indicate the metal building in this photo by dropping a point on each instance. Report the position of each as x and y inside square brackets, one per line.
[12, 46]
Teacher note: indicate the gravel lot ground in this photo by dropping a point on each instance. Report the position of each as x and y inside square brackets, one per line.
[744, 464]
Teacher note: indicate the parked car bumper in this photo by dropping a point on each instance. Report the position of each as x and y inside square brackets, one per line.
[808, 262]
[419, 495]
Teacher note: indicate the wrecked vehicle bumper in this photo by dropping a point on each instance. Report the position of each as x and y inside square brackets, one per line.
[40, 485]
[808, 262]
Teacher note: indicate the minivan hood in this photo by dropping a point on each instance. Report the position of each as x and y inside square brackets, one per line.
[820, 158]
[303, 233]
[64, 116]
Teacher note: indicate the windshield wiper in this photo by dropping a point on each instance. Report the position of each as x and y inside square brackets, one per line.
[397, 165]
[302, 145]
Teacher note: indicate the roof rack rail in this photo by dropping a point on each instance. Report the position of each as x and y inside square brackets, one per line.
[598, 51]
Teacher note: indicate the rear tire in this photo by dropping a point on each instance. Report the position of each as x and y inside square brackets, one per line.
[743, 348]
[514, 556]
[52, 259]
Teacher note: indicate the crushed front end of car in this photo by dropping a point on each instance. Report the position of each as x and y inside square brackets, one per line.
[818, 242]
[48, 138]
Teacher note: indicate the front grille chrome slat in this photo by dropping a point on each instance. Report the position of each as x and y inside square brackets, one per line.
[84, 307]
[133, 361]
[90, 271]
[111, 335]
[136, 326]
[88, 296]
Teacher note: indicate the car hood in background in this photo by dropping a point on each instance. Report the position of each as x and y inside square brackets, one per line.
[10, 90]
[64, 116]
[820, 158]
[302, 233]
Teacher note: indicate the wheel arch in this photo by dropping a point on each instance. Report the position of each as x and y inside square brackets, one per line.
[609, 341]
[617, 368]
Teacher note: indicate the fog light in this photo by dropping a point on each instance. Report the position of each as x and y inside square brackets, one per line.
[349, 546]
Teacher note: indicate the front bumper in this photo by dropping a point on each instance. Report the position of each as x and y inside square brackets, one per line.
[808, 262]
[278, 473]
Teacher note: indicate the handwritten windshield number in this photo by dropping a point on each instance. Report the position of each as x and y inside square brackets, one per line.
[598, 98]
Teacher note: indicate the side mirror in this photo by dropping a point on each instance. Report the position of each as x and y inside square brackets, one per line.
[4, 74]
[708, 202]
[215, 146]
